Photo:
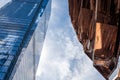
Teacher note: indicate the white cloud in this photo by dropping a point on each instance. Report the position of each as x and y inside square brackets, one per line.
[62, 57]
[4, 2]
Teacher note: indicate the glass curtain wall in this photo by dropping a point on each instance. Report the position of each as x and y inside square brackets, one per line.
[27, 63]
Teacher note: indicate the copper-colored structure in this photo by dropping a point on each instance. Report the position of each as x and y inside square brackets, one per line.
[97, 25]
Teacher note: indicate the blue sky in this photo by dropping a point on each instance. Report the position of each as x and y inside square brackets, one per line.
[62, 56]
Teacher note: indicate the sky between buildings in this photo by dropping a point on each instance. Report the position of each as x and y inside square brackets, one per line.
[62, 56]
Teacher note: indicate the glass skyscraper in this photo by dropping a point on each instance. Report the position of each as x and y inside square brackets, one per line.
[23, 26]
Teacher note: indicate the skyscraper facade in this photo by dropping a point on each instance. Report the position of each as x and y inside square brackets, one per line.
[23, 26]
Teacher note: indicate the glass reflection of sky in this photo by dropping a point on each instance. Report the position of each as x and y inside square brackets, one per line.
[4, 2]
[17, 24]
